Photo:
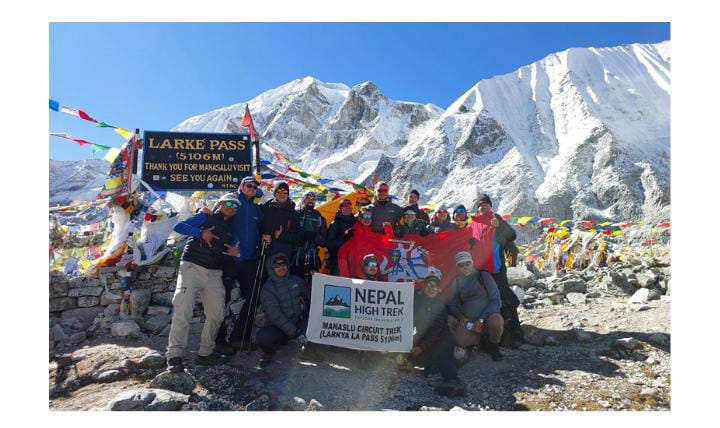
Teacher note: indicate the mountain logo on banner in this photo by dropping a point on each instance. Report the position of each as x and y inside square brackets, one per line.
[405, 263]
[337, 301]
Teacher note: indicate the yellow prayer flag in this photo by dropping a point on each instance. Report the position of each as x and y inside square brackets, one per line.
[112, 183]
[617, 233]
[605, 223]
[523, 220]
[315, 176]
[111, 154]
[125, 133]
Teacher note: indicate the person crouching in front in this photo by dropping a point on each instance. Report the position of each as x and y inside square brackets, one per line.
[475, 302]
[433, 342]
[283, 300]
[201, 273]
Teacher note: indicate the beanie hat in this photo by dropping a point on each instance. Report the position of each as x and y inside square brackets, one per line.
[415, 192]
[309, 194]
[458, 208]
[409, 210]
[369, 258]
[249, 179]
[462, 257]
[281, 185]
[484, 198]
[435, 272]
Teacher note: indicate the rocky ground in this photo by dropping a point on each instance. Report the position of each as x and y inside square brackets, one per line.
[599, 340]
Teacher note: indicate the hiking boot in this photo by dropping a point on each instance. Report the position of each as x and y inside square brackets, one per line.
[494, 350]
[175, 365]
[451, 388]
[265, 359]
[224, 349]
[210, 360]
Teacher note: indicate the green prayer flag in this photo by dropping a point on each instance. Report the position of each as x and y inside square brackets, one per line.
[98, 148]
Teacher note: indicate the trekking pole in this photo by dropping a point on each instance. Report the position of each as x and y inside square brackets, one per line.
[253, 297]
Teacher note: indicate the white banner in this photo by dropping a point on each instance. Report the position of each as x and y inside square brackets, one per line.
[364, 315]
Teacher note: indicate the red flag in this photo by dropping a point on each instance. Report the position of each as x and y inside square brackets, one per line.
[248, 123]
[409, 258]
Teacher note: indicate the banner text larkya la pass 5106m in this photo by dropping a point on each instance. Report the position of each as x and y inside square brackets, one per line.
[358, 314]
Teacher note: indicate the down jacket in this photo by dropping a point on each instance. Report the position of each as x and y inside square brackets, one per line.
[283, 300]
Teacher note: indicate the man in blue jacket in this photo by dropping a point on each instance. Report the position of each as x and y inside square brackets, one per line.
[211, 241]
[243, 269]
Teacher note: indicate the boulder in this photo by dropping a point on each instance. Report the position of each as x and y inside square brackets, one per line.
[626, 344]
[148, 399]
[178, 382]
[640, 297]
[108, 376]
[659, 339]
[83, 316]
[57, 333]
[235, 294]
[521, 277]
[59, 286]
[261, 403]
[139, 302]
[616, 281]
[151, 360]
[112, 310]
[109, 298]
[125, 328]
[83, 281]
[88, 301]
[583, 336]
[315, 406]
[77, 338]
[646, 279]
[575, 298]
[162, 299]
[62, 304]
[158, 310]
[518, 292]
[165, 272]
[571, 284]
[85, 291]
[157, 323]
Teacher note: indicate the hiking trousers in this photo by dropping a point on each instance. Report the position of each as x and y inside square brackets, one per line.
[194, 279]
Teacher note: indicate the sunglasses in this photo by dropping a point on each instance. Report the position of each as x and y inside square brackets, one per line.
[282, 192]
[382, 190]
[251, 186]
[366, 216]
[231, 204]
[465, 264]
[371, 264]
[279, 264]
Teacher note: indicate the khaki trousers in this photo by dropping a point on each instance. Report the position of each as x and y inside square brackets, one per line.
[194, 279]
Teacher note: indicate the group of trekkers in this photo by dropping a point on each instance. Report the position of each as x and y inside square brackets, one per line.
[270, 251]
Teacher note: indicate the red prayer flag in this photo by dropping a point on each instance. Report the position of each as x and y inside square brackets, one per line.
[248, 123]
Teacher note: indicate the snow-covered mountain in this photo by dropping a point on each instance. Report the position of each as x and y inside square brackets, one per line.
[583, 133]
[76, 180]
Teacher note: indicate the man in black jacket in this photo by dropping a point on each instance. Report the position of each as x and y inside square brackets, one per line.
[211, 241]
[311, 232]
[344, 219]
[384, 210]
[504, 237]
[277, 227]
[433, 342]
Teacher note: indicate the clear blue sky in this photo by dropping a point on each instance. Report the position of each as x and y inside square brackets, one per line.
[155, 75]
